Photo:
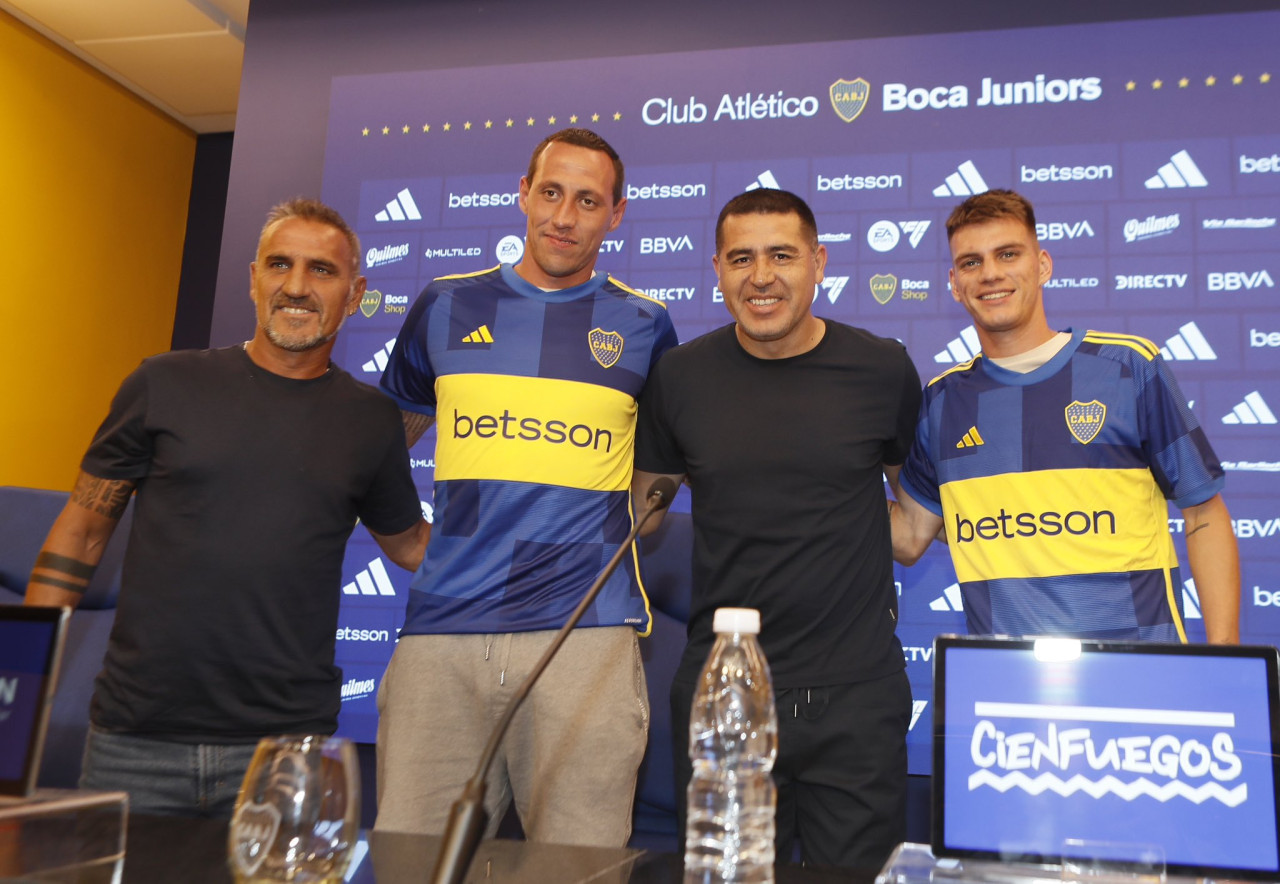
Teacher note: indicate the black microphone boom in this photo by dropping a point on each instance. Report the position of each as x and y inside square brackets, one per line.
[467, 818]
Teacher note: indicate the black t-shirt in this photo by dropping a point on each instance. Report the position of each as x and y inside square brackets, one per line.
[249, 485]
[784, 462]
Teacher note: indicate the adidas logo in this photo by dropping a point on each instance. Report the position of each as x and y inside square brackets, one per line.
[972, 439]
[917, 707]
[949, 600]
[373, 580]
[402, 208]
[1188, 344]
[482, 335]
[766, 179]
[961, 349]
[1191, 600]
[1253, 410]
[1180, 171]
[379, 360]
[965, 181]
[833, 286]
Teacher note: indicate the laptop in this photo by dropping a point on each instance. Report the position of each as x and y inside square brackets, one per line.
[31, 640]
[1106, 757]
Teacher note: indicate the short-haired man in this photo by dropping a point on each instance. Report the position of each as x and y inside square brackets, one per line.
[1049, 458]
[251, 466]
[532, 373]
[782, 422]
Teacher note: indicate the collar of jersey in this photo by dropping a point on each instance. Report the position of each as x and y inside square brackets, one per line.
[529, 290]
[1049, 369]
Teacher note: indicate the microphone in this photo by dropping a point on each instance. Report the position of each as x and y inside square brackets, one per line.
[467, 817]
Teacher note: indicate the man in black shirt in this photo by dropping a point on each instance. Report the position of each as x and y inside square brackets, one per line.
[782, 423]
[251, 466]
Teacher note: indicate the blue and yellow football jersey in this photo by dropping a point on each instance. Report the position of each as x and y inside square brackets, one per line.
[1053, 484]
[534, 396]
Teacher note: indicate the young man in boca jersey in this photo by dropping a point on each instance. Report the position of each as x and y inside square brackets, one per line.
[1049, 457]
[531, 374]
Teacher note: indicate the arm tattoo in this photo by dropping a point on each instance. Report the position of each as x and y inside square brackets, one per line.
[60, 584]
[415, 425]
[1199, 527]
[49, 561]
[106, 497]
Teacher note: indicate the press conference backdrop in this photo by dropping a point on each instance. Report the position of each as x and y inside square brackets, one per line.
[1150, 149]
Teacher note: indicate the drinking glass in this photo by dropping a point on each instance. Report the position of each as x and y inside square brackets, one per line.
[297, 815]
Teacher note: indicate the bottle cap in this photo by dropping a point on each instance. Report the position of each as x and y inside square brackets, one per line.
[737, 620]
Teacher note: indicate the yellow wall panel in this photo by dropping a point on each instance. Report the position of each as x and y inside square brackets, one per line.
[92, 222]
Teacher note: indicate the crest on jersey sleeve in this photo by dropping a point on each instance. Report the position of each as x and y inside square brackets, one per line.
[606, 346]
[849, 97]
[1085, 419]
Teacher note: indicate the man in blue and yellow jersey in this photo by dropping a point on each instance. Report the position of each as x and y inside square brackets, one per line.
[1049, 458]
[531, 373]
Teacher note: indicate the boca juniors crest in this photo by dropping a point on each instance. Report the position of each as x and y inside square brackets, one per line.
[370, 302]
[883, 285]
[849, 98]
[1085, 419]
[605, 346]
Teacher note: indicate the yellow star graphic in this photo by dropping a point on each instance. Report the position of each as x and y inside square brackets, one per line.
[1264, 78]
[529, 121]
[386, 130]
[573, 119]
[617, 115]
[1237, 79]
[1184, 83]
[595, 118]
[510, 122]
[426, 127]
[1210, 80]
[448, 126]
[1130, 86]
[467, 125]
[1157, 84]
[364, 131]
[551, 121]
[488, 124]
[405, 130]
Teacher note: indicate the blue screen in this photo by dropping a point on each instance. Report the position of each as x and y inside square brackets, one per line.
[1124, 756]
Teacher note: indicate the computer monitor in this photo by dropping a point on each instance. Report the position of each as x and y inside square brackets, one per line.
[1132, 756]
[30, 651]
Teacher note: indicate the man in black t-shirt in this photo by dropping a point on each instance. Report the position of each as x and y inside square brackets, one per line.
[782, 422]
[251, 465]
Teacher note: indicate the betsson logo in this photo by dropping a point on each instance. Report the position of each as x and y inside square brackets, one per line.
[734, 108]
[1048, 523]
[1041, 90]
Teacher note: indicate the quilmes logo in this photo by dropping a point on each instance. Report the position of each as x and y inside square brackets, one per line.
[385, 255]
[358, 688]
[1067, 746]
[1136, 230]
[849, 98]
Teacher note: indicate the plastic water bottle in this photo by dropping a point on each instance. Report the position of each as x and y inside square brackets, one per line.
[733, 741]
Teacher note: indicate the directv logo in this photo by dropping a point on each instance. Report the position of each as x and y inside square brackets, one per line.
[1180, 171]
[766, 179]
[949, 600]
[965, 181]
[1253, 410]
[961, 349]
[1189, 344]
[402, 208]
[371, 581]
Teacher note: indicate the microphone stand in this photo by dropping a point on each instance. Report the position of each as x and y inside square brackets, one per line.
[467, 817]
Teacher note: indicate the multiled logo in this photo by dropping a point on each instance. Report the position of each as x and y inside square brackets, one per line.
[1107, 750]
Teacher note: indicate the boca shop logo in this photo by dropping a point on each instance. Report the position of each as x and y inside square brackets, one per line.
[1128, 753]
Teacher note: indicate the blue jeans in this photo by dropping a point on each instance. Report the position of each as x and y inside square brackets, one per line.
[163, 777]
